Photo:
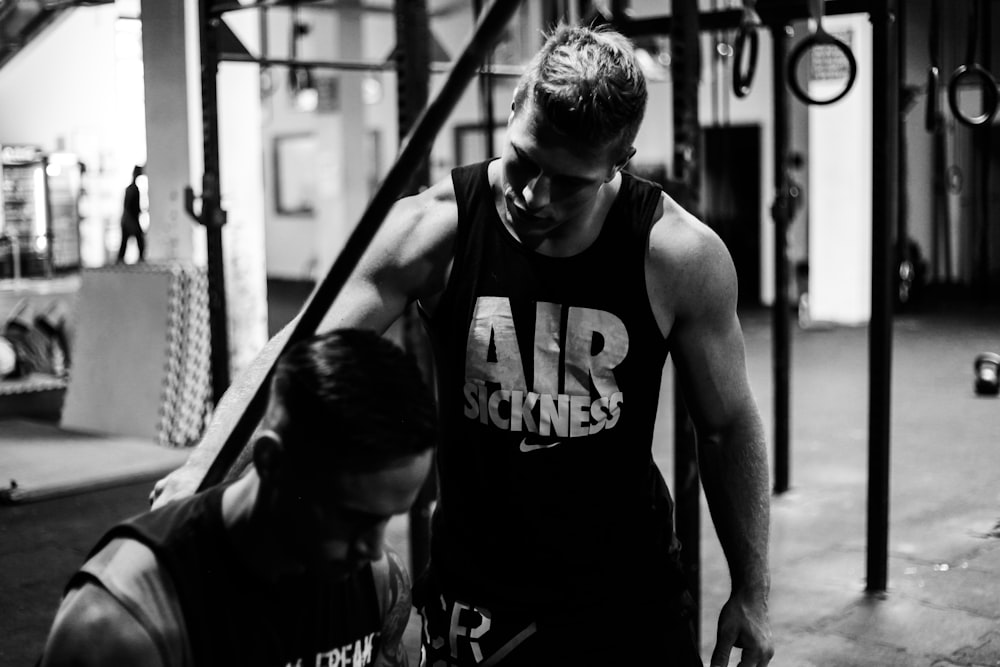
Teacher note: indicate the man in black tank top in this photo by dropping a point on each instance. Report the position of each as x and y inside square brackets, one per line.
[553, 285]
[286, 565]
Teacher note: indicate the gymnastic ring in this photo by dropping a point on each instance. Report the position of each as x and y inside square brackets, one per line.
[819, 38]
[747, 32]
[990, 96]
[932, 116]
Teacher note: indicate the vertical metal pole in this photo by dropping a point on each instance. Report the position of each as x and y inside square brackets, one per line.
[985, 144]
[885, 117]
[686, 70]
[412, 86]
[263, 27]
[413, 62]
[486, 94]
[212, 215]
[902, 260]
[981, 157]
[49, 237]
[781, 212]
[941, 236]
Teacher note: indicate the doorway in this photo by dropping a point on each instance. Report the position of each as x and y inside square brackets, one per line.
[731, 199]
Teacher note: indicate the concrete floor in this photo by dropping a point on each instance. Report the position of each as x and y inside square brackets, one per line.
[942, 607]
[41, 545]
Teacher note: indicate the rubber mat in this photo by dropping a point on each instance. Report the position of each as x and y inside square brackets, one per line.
[40, 461]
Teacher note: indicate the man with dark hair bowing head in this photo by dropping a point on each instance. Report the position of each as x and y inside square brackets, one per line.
[553, 285]
[285, 566]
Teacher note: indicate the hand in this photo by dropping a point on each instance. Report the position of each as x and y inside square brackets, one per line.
[743, 624]
[180, 483]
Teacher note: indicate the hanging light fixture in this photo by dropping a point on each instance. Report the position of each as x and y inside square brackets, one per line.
[305, 95]
[301, 85]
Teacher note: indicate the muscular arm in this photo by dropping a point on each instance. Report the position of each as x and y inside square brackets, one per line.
[408, 259]
[393, 585]
[92, 628]
[707, 344]
[695, 276]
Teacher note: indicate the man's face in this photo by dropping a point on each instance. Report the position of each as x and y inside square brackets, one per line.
[548, 179]
[335, 523]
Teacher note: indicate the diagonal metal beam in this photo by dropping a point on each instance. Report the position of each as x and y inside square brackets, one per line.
[234, 454]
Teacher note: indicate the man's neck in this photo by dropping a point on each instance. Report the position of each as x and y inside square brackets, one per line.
[244, 531]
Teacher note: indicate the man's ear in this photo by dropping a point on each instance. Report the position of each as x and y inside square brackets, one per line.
[622, 162]
[513, 106]
[268, 455]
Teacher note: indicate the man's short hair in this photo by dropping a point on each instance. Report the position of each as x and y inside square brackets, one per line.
[355, 398]
[587, 84]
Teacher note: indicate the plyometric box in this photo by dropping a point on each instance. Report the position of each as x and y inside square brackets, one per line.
[141, 354]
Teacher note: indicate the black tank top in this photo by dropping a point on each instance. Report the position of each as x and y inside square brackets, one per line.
[549, 372]
[234, 619]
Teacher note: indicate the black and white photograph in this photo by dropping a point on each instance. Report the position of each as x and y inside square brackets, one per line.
[317, 319]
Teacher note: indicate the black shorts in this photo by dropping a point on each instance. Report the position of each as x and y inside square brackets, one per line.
[645, 630]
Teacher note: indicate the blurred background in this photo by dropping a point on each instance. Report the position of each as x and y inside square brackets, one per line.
[854, 184]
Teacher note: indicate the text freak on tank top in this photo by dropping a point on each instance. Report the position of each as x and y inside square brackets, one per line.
[231, 617]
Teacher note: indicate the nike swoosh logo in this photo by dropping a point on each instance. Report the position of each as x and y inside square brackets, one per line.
[529, 447]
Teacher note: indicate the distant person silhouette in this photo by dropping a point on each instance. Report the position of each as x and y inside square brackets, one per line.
[130, 219]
